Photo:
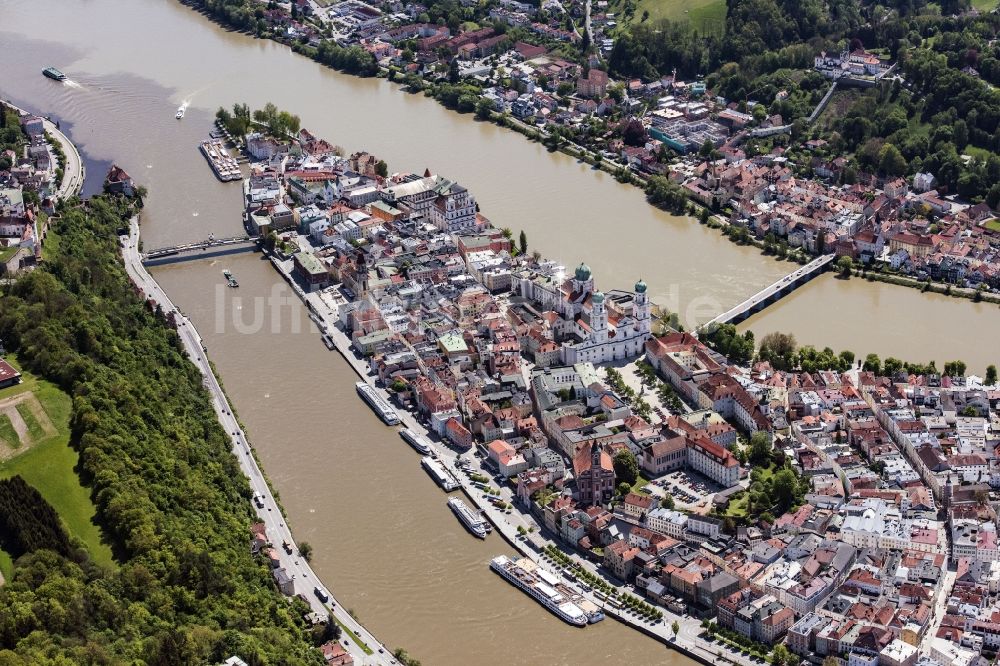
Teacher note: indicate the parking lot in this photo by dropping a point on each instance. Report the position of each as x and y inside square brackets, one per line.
[690, 490]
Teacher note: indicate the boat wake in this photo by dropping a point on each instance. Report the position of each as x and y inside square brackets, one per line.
[72, 84]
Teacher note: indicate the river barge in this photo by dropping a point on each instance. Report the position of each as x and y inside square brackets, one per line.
[377, 403]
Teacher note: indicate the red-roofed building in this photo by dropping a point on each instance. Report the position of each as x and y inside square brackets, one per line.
[636, 505]
[665, 455]
[119, 182]
[335, 654]
[8, 375]
[714, 461]
[619, 557]
[458, 434]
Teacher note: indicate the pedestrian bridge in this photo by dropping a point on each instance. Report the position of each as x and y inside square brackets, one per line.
[211, 247]
[774, 292]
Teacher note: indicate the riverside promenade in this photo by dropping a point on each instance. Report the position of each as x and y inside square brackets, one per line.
[302, 575]
[688, 641]
[74, 172]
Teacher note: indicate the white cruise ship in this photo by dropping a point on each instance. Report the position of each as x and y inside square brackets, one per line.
[378, 403]
[416, 441]
[439, 474]
[542, 585]
[472, 520]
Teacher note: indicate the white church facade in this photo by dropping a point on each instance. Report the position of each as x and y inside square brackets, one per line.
[590, 326]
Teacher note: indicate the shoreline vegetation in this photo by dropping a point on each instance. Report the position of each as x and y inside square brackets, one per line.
[169, 496]
[660, 191]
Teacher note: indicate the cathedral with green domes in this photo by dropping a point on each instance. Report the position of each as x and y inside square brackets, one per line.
[589, 325]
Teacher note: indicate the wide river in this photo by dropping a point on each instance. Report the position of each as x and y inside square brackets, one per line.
[383, 538]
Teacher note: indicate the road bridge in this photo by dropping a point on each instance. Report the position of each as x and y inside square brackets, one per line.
[212, 247]
[774, 292]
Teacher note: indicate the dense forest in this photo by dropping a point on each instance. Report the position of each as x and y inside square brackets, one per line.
[27, 522]
[168, 492]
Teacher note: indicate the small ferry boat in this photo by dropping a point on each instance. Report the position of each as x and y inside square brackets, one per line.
[416, 441]
[180, 112]
[543, 586]
[378, 403]
[439, 474]
[472, 520]
[328, 341]
[230, 279]
[54, 74]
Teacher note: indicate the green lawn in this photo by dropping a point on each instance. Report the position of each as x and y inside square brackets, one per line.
[6, 253]
[50, 245]
[737, 508]
[7, 432]
[50, 466]
[6, 565]
[640, 482]
[977, 152]
[705, 16]
[984, 5]
[993, 225]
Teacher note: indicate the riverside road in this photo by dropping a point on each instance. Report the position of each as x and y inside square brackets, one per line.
[298, 569]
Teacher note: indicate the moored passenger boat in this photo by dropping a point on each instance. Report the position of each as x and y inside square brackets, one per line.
[377, 403]
[542, 586]
[473, 521]
[416, 441]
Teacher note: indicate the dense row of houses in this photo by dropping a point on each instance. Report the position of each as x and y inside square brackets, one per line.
[503, 353]
[28, 192]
